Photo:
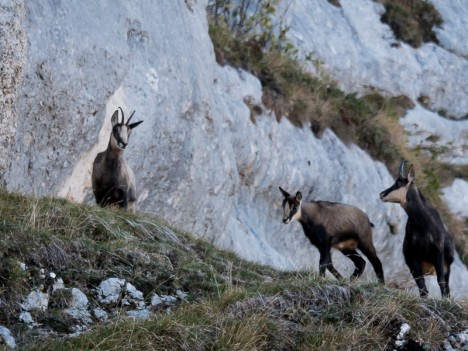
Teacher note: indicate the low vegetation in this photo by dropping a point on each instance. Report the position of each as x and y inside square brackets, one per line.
[412, 21]
[232, 304]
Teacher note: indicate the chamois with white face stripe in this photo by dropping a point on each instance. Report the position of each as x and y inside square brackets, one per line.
[329, 224]
[113, 179]
[428, 248]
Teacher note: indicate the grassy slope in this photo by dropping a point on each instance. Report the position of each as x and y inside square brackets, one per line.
[232, 305]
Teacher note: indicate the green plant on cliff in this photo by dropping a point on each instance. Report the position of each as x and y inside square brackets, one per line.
[245, 36]
[412, 21]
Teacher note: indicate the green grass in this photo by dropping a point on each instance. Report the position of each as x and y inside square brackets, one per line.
[232, 304]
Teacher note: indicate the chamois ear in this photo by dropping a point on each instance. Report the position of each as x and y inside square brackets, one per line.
[134, 125]
[410, 176]
[298, 196]
[284, 192]
[115, 118]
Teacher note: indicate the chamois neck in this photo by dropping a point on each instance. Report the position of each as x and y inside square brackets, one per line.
[416, 206]
[307, 211]
[113, 151]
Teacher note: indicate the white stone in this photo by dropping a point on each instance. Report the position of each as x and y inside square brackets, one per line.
[78, 299]
[139, 314]
[58, 284]
[36, 301]
[9, 340]
[27, 319]
[168, 299]
[156, 300]
[100, 314]
[110, 290]
[181, 294]
[134, 293]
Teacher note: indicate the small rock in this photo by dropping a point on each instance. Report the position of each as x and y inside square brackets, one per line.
[181, 294]
[27, 319]
[156, 300]
[110, 290]
[133, 292]
[78, 300]
[58, 284]
[36, 301]
[9, 340]
[139, 314]
[78, 306]
[100, 314]
[168, 300]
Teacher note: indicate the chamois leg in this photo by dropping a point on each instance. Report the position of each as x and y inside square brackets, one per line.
[369, 252]
[358, 261]
[439, 266]
[416, 272]
[326, 263]
[447, 277]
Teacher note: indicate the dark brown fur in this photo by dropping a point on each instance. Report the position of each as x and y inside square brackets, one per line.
[428, 248]
[113, 179]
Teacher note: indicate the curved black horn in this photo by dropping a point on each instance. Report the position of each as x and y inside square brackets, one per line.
[130, 117]
[402, 168]
[123, 118]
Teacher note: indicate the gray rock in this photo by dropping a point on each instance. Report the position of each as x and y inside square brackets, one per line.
[168, 300]
[110, 290]
[156, 300]
[78, 307]
[100, 314]
[135, 296]
[139, 314]
[8, 339]
[13, 61]
[181, 294]
[36, 301]
[78, 299]
[27, 319]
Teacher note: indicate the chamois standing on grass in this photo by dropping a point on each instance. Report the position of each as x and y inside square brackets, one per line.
[113, 179]
[428, 247]
[329, 224]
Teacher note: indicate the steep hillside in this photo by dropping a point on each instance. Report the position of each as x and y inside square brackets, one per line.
[201, 162]
[77, 277]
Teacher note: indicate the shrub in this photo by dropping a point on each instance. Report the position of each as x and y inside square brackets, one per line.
[412, 21]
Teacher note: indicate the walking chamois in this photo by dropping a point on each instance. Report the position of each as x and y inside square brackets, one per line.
[329, 224]
[428, 247]
[112, 178]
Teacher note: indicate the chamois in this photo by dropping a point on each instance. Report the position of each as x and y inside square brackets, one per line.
[428, 248]
[329, 224]
[113, 180]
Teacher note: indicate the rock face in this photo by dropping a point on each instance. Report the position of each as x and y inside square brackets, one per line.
[200, 162]
[12, 57]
